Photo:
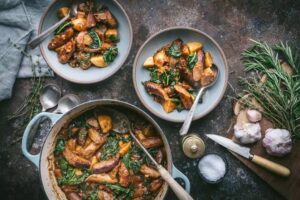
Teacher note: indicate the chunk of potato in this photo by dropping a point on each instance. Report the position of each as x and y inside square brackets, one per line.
[87, 40]
[98, 61]
[159, 58]
[124, 148]
[63, 11]
[208, 76]
[149, 62]
[79, 24]
[194, 46]
[105, 123]
[208, 60]
[185, 50]
[111, 34]
[140, 135]
[169, 106]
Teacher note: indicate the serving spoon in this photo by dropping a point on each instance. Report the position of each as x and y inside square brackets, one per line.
[49, 96]
[66, 103]
[122, 125]
[188, 120]
[41, 37]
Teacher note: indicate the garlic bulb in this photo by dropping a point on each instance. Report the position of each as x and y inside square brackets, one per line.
[247, 133]
[253, 115]
[277, 142]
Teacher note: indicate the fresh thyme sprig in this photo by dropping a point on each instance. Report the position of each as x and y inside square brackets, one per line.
[279, 95]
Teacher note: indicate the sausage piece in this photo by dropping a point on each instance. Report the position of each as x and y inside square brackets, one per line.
[75, 160]
[61, 39]
[151, 142]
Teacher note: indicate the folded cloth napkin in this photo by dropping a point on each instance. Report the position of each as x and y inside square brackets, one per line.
[18, 24]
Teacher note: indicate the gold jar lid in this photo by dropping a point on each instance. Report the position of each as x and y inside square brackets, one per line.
[193, 146]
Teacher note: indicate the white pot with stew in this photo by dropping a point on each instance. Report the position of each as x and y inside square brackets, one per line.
[84, 158]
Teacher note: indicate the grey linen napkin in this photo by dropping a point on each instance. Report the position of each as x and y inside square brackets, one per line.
[18, 24]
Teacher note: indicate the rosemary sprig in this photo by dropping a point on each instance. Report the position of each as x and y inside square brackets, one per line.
[279, 95]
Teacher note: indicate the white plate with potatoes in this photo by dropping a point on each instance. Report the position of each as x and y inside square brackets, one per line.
[95, 73]
[157, 55]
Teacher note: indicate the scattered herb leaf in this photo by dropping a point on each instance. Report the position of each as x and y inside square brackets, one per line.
[110, 55]
[110, 148]
[96, 40]
[60, 146]
[192, 60]
[174, 51]
[62, 27]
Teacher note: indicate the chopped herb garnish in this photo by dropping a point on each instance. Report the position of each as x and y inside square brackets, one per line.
[110, 148]
[114, 38]
[121, 192]
[192, 60]
[62, 27]
[60, 146]
[96, 40]
[174, 51]
[110, 55]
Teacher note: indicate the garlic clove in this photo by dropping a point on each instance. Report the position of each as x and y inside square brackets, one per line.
[253, 115]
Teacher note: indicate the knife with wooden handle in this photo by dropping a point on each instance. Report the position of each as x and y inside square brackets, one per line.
[245, 152]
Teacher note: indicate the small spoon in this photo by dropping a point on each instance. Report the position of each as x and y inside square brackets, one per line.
[121, 124]
[66, 103]
[188, 120]
[49, 96]
[41, 37]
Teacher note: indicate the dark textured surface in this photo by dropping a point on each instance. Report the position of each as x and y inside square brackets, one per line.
[231, 24]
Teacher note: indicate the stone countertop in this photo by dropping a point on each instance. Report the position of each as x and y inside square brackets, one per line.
[231, 23]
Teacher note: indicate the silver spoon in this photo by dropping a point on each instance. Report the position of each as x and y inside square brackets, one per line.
[121, 124]
[188, 120]
[66, 103]
[41, 37]
[49, 96]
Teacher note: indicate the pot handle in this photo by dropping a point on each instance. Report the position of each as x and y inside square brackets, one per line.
[178, 174]
[35, 159]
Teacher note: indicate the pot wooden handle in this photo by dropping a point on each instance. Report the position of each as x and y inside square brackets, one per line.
[271, 166]
[177, 189]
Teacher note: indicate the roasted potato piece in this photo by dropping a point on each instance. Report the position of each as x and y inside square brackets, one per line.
[61, 39]
[208, 76]
[112, 34]
[149, 172]
[194, 46]
[185, 97]
[160, 58]
[156, 89]
[124, 148]
[75, 160]
[168, 106]
[63, 11]
[98, 61]
[79, 24]
[185, 50]
[105, 122]
[87, 40]
[208, 60]
[151, 142]
[149, 62]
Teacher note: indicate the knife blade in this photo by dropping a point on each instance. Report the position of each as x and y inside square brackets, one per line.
[245, 152]
[232, 146]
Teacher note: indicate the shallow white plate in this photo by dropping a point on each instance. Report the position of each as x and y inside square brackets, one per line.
[212, 96]
[93, 74]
